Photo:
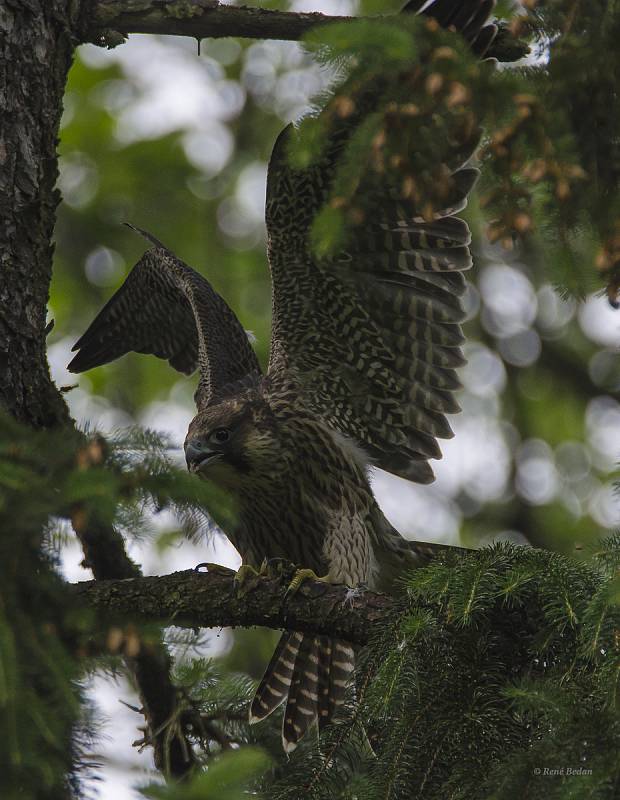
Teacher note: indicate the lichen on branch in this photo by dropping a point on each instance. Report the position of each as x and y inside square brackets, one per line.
[197, 599]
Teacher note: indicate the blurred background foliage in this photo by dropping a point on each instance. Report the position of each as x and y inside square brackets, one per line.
[178, 143]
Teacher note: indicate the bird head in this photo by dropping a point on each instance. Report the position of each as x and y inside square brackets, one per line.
[233, 441]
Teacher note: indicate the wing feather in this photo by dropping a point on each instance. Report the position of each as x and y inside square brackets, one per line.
[372, 332]
[167, 309]
[147, 315]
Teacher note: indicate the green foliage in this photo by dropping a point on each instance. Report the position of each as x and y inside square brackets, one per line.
[496, 665]
[413, 123]
[44, 639]
[372, 43]
[550, 163]
[498, 679]
[40, 704]
[149, 481]
[562, 143]
[221, 698]
[226, 779]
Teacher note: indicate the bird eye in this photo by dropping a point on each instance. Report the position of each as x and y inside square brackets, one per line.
[221, 435]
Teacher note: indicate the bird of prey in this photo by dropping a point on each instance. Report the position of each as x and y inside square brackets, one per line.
[364, 346]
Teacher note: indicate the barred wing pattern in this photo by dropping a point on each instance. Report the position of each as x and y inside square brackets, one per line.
[372, 334]
[167, 309]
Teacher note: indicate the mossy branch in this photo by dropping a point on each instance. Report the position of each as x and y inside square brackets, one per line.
[212, 599]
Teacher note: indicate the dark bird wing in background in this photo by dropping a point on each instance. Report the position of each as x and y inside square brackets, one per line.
[167, 309]
[373, 331]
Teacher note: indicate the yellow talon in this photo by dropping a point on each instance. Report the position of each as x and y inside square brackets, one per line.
[302, 575]
[246, 577]
[246, 571]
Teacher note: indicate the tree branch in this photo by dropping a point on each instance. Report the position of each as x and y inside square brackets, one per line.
[109, 21]
[105, 554]
[193, 599]
[198, 19]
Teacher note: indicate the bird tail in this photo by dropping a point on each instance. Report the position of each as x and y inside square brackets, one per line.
[311, 673]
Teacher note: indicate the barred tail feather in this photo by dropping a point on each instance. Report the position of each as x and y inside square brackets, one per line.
[303, 696]
[312, 674]
[341, 669]
[325, 658]
[323, 671]
[274, 687]
[336, 666]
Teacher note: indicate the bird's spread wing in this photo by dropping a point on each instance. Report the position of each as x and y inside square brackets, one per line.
[167, 309]
[372, 332]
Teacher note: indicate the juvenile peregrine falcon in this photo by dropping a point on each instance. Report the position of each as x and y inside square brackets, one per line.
[364, 346]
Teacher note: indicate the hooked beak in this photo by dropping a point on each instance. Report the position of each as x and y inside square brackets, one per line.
[198, 455]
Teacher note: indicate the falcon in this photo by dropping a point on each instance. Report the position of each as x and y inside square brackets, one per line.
[364, 346]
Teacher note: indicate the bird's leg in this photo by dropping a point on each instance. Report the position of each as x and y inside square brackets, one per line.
[247, 576]
[302, 575]
[247, 571]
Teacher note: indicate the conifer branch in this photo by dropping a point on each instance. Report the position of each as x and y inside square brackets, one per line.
[212, 599]
[150, 664]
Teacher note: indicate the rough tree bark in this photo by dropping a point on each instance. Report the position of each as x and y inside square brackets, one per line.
[37, 40]
[207, 600]
[36, 47]
[36, 44]
[198, 19]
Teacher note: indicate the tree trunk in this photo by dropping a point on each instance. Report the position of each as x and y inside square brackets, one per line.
[37, 39]
[36, 52]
